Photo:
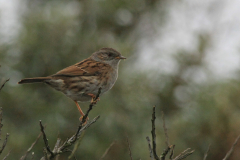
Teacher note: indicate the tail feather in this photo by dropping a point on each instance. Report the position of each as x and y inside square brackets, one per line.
[33, 80]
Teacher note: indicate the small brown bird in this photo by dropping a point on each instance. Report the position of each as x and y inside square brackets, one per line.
[81, 81]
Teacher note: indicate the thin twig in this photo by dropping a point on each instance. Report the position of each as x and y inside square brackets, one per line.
[154, 135]
[150, 148]
[172, 152]
[4, 143]
[57, 145]
[165, 130]
[1, 121]
[231, 150]
[73, 139]
[206, 154]
[107, 150]
[76, 145]
[4, 83]
[129, 148]
[165, 152]
[45, 140]
[80, 129]
[7, 135]
[184, 154]
[6, 155]
[30, 148]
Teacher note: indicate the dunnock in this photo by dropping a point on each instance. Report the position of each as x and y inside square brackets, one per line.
[81, 81]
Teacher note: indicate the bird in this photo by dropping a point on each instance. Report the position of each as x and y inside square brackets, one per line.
[81, 81]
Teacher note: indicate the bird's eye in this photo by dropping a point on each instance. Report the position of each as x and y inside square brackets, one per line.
[110, 54]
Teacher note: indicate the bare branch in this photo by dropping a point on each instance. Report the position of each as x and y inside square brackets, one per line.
[231, 150]
[206, 154]
[58, 143]
[107, 150]
[154, 135]
[4, 83]
[69, 142]
[150, 148]
[172, 152]
[1, 121]
[77, 135]
[6, 155]
[169, 148]
[86, 115]
[91, 105]
[29, 149]
[165, 130]
[77, 144]
[7, 135]
[129, 148]
[184, 154]
[165, 152]
[4, 143]
[45, 140]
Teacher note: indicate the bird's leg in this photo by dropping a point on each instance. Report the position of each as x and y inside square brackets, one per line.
[93, 97]
[81, 112]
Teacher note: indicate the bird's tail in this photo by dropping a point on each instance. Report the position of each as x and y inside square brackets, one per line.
[34, 80]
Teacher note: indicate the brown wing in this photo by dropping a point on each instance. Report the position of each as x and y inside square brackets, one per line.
[87, 67]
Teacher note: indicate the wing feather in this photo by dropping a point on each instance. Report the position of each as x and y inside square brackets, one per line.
[87, 67]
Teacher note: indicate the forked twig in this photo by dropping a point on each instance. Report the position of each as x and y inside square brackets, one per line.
[73, 139]
[59, 149]
[45, 140]
[165, 152]
[170, 148]
[76, 145]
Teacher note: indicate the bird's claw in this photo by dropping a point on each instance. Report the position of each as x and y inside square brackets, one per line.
[93, 101]
[81, 119]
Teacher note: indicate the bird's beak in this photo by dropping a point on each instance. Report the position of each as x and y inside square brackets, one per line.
[121, 57]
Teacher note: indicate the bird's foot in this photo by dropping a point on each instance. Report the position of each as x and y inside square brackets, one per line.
[93, 101]
[81, 118]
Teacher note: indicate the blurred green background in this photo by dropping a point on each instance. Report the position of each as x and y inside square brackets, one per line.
[173, 62]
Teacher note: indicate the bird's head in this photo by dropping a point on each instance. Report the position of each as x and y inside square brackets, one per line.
[109, 56]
